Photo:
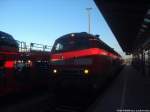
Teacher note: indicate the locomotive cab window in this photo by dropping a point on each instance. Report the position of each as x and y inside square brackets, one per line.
[69, 44]
[58, 47]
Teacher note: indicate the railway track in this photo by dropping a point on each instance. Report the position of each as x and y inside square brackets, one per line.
[62, 101]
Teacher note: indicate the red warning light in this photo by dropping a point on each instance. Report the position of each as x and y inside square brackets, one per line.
[9, 64]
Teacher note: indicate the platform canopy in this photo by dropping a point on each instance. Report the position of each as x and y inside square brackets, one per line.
[128, 20]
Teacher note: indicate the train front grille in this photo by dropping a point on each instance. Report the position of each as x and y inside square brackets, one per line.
[43, 66]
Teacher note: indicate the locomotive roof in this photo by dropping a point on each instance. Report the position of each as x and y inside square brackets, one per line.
[7, 39]
[87, 35]
[76, 35]
[3, 33]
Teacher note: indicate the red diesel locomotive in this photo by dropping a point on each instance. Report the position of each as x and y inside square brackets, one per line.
[8, 53]
[21, 70]
[82, 59]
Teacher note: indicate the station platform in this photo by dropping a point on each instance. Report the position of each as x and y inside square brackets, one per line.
[130, 91]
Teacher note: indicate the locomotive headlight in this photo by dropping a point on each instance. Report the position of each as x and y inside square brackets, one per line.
[55, 71]
[86, 71]
[29, 61]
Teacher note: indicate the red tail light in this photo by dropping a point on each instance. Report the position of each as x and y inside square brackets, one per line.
[9, 64]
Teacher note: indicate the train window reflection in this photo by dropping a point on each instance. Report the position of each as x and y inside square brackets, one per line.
[59, 47]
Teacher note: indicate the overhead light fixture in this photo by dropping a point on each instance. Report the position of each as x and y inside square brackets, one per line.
[144, 26]
[148, 12]
[147, 20]
[142, 30]
[139, 34]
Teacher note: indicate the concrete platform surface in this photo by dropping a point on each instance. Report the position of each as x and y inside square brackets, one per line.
[130, 91]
